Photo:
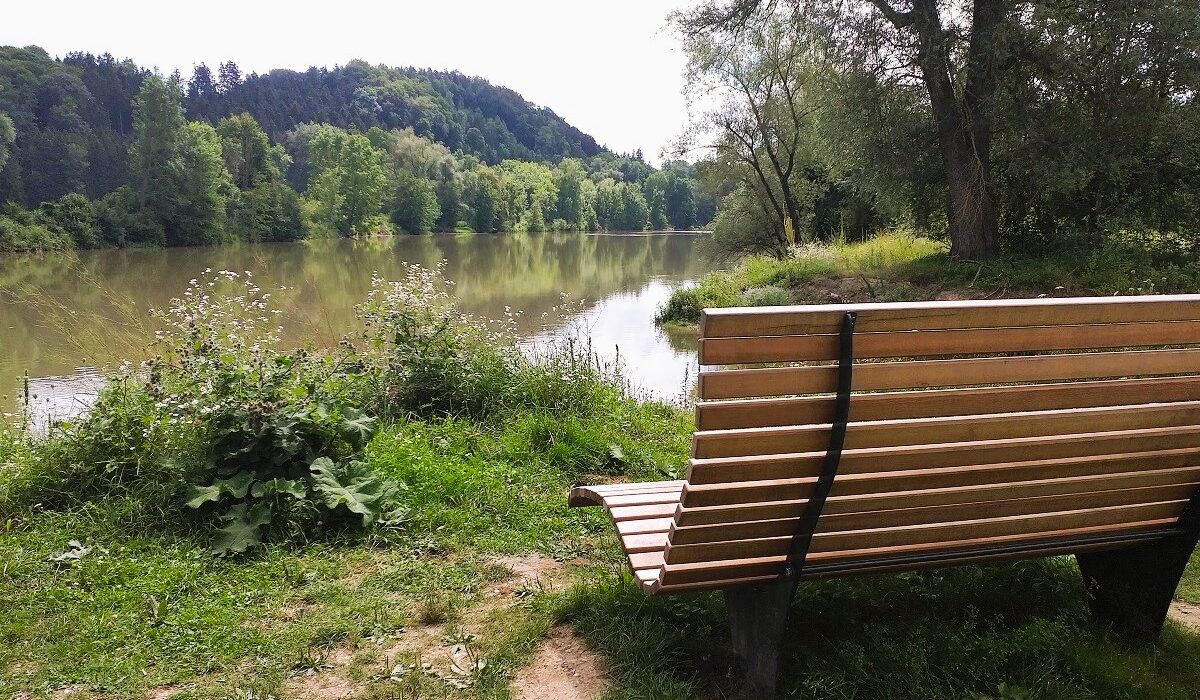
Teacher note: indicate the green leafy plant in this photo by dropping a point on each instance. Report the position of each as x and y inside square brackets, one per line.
[280, 429]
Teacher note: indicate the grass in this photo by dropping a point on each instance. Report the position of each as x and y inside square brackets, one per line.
[903, 266]
[110, 590]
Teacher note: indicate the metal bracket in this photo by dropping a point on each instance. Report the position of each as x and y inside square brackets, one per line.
[802, 540]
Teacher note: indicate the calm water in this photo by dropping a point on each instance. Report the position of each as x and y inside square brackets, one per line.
[63, 318]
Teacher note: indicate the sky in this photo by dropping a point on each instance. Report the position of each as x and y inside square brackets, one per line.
[612, 68]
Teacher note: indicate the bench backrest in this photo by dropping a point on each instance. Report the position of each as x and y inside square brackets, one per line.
[978, 430]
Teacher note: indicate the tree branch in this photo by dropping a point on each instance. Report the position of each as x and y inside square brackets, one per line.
[899, 20]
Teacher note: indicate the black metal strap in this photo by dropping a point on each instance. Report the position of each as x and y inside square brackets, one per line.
[1189, 519]
[833, 456]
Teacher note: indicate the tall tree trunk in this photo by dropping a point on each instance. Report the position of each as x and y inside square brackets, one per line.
[964, 121]
[970, 207]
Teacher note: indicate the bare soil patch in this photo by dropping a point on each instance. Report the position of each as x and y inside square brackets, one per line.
[162, 692]
[426, 649]
[565, 668]
[322, 686]
[1186, 614]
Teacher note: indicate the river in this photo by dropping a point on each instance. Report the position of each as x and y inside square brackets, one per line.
[64, 318]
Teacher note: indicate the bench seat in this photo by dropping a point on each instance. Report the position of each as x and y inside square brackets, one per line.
[851, 439]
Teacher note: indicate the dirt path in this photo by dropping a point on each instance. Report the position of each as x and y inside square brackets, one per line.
[565, 668]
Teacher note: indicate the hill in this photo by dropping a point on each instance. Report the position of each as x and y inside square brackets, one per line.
[72, 118]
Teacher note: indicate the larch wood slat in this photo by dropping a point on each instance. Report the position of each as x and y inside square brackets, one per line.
[902, 316]
[806, 348]
[938, 456]
[746, 567]
[924, 374]
[890, 495]
[766, 413]
[928, 515]
[952, 429]
[1101, 470]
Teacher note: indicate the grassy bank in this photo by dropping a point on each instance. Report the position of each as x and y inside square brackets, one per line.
[903, 266]
[431, 553]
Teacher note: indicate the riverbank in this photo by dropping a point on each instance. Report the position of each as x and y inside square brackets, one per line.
[388, 519]
[904, 266]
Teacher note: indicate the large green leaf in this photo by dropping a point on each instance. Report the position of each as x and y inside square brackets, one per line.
[237, 486]
[357, 427]
[352, 485]
[291, 487]
[242, 530]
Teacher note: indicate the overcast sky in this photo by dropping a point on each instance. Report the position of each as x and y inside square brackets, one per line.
[612, 68]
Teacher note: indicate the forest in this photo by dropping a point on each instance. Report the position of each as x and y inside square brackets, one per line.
[97, 152]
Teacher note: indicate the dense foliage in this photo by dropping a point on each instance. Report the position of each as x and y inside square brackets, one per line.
[1046, 125]
[98, 152]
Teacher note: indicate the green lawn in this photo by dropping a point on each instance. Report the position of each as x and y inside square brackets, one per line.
[109, 587]
[147, 607]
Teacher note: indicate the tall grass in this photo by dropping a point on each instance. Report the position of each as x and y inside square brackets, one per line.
[904, 266]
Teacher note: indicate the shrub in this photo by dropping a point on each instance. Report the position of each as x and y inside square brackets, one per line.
[261, 441]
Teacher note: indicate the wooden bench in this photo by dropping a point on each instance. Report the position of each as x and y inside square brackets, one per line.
[971, 432]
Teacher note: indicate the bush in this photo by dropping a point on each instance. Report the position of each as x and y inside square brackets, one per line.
[19, 232]
[73, 217]
[263, 442]
[431, 360]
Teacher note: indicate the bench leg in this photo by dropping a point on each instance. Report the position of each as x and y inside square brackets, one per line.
[1132, 588]
[757, 618]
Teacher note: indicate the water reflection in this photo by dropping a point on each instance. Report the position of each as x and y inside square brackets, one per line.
[60, 313]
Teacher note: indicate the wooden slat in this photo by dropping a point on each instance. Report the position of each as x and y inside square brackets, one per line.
[746, 567]
[876, 376]
[857, 496]
[887, 566]
[657, 510]
[649, 542]
[981, 452]
[799, 348]
[643, 526]
[861, 495]
[908, 536]
[998, 426]
[763, 413]
[642, 499]
[900, 517]
[602, 494]
[947, 477]
[804, 320]
[636, 487]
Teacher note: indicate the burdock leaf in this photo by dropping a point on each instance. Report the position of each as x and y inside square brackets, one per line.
[204, 494]
[350, 485]
[242, 528]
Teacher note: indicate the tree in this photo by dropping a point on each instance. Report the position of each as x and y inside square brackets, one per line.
[72, 216]
[8, 136]
[963, 112]
[610, 208]
[180, 177]
[958, 56]
[680, 195]
[157, 124]
[414, 205]
[248, 154]
[347, 182]
[764, 83]
[483, 192]
[655, 191]
[634, 211]
[199, 216]
[533, 193]
[364, 182]
[569, 179]
[229, 77]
